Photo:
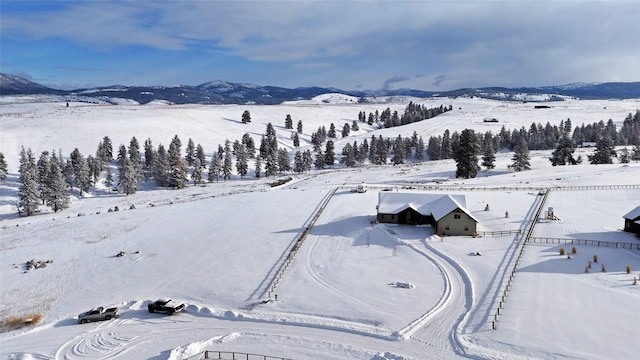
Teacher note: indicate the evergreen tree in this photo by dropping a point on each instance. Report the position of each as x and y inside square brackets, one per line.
[29, 198]
[271, 165]
[175, 149]
[563, 154]
[420, 149]
[201, 156]
[298, 166]
[83, 177]
[149, 159]
[161, 167]
[242, 167]
[307, 160]
[3, 168]
[258, 167]
[604, 152]
[520, 157]
[299, 128]
[296, 139]
[190, 155]
[466, 155]
[288, 122]
[246, 117]
[346, 129]
[178, 176]
[625, 156]
[215, 168]
[284, 163]
[382, 151]
[348, 156]
[249, 145]
[434, 148]
[354, 126]
[196, 173]
[128, 177]
[320, 161]
[489, 156]
[57, 196]
[329, 154]
[398, 152]
[228, 162]
[332, 131]
[105, 150]
[446, 152]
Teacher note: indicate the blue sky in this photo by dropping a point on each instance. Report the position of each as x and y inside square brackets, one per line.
[429, 45]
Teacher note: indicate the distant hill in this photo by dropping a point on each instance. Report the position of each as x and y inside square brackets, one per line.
[222, 92]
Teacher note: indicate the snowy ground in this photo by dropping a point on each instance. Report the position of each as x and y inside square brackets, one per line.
[218, 247]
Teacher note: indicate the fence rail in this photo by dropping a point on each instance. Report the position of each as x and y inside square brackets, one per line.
[588, 242]
[499, 233]
[391, 187]
[232, 355]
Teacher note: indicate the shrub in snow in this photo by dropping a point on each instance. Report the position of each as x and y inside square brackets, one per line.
[628, 269]
[132, 207]
[574, 250]
[116, 208]
[595, 258]
[603, 269]
[561, 251]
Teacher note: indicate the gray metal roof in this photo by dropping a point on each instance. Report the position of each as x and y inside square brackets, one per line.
[436, 205]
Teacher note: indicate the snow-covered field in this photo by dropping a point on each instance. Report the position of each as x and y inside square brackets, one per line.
[218, 247]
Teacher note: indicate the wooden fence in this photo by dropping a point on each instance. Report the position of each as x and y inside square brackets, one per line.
[232, 355]
[602, 243]
[499, 233]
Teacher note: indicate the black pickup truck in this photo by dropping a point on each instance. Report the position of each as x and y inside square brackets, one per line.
[166, 306]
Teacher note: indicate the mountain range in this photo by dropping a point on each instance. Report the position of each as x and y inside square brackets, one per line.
[222, 92]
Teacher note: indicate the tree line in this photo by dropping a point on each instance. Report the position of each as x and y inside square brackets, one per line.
[49, 180]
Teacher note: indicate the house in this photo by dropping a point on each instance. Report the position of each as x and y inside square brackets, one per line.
[632, 221]
[448, 214]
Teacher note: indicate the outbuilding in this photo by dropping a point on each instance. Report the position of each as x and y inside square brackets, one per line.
[632, 221]
[448, 214]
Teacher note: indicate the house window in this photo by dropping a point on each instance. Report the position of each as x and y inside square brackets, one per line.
[446, 227]
[466, 228]
[456, 216]
[393, 217]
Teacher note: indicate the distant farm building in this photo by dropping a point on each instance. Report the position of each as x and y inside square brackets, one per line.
[632, 221]
[448, 214]
[490, 120]
[588, 144]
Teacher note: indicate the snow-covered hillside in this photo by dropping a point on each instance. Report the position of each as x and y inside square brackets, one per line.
[221, 247]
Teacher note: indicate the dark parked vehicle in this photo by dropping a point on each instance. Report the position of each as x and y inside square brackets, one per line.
[166, 306]
[98, 314]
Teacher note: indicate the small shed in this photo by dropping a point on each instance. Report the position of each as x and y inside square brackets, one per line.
[632, 221]
[448, 214]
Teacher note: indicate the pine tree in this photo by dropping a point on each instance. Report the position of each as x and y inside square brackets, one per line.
[299, 128]
[635, 153]
[215, 168]
[307, 160]
[329, 154]
[624, 156]
[563, 154]
[258, 167]
[354, 126]
[178, 176]
[200, 155]
[270, 166]
[29, 199]
[161, 167]
[242, 167]
[446, 151]
[320, 161]
[382, 151]
[149, 159]
[249, 144]
[246, 117]
[83, 177]
[489, 156]
[228, 162]
[332, 131]
[520, 157]
[3, 168]
[196, 173]
[348, 156]
[296, 139]
[466, 155]
[298, 166]
[398, 152]
[190, 155]
[284, 163]
[57, 196]
[128, 177]
[604, 152]
[346, 129]
[288, 122]
[420, 149]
